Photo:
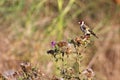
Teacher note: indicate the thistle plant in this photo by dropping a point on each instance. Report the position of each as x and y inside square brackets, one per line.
[68, 55]
[26, 72]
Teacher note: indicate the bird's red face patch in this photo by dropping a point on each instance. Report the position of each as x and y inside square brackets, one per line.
[80, 22]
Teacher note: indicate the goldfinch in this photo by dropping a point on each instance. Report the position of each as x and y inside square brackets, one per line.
[86, 30]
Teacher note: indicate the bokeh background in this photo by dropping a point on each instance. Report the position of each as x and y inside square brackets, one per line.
[28, 26]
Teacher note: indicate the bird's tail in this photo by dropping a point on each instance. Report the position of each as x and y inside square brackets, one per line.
[93, 34]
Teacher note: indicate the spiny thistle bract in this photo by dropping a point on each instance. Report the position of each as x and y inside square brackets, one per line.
[69, 48]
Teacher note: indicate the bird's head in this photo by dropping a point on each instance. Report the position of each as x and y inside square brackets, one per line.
[81, 22]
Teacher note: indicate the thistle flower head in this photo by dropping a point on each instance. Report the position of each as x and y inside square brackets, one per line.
[53, 43]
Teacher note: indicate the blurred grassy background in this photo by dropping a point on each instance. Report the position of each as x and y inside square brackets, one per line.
[28, 26]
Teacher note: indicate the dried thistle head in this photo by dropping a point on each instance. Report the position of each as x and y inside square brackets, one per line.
[88, 73]
[62, 44]
[76, 41]
[25, 66]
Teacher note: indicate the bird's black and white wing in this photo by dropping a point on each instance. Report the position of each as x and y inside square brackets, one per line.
[83, 28]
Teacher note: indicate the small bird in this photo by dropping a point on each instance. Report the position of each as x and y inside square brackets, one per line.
[85, 29]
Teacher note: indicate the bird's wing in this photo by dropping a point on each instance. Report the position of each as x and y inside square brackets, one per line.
[83, 28]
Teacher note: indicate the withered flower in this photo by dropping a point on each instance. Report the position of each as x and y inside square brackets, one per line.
[88, 73]
[25, 66]
[76, 42]
[62, 44]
